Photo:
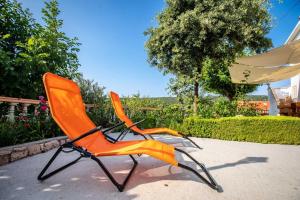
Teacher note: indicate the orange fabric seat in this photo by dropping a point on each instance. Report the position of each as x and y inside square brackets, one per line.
[152, 148]
[119, 110]
[68, 110]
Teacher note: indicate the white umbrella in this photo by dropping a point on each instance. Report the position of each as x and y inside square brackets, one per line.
[277, 64]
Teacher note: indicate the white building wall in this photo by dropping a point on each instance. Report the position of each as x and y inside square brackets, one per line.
[295, 81]
[295, 89]
[298, 36]
[273, 110]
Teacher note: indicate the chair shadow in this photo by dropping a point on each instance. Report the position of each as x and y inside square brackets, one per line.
[247, 160]
[180, 174]
[143, 176]
[148, 171]
[140, 177]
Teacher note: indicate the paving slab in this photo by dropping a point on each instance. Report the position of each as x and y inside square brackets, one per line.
[246, 171]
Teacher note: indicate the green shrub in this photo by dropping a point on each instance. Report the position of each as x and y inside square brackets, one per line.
[102, 114]
[222, 107]
[205, 107]
[27, 130]
[163, 114]
[263, 129]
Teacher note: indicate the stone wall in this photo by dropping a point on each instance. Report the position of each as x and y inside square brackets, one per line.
[13, 153]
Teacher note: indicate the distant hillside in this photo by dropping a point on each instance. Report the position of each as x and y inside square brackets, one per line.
[248, 97]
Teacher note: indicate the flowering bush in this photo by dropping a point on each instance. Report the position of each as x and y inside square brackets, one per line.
[30, 127]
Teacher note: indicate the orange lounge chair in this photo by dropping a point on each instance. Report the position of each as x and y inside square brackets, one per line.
[119, 110]
[68, 110]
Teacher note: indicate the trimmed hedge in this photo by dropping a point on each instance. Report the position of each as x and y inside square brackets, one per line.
[263, 129]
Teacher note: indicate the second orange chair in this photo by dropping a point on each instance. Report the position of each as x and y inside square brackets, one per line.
[119, 110]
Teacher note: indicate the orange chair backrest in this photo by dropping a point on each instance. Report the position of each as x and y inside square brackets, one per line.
[68, 109]
[119, 110]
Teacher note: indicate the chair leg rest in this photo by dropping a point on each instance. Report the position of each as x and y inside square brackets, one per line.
[210, 181]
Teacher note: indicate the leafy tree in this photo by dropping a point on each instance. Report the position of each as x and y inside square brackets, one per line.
[16, 26]
[62, 50]
[182, 87]
[50, 50]
[28, 50]
[216, 79]
[92, 92]
[191, 31]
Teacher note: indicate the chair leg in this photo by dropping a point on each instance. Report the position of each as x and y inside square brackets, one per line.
[152, 138]
[41, 177]
[210, 181]
[189, 139]
[109, 175]
[123, 136]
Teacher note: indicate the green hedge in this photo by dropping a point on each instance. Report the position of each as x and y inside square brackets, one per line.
[263, 129]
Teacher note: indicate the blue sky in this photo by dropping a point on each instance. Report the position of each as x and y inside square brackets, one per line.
[111, 32]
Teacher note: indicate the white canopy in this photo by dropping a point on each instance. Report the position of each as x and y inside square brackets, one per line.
[275, 65]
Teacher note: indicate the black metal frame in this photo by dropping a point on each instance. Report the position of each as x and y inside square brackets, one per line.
[125, 131]
[210, 181]
[182, 135]
[120, 186]
[189, 139]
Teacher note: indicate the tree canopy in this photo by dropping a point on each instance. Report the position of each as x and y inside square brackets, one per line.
[216, 79]
[191, 31]
[16, 26]
[28, 49]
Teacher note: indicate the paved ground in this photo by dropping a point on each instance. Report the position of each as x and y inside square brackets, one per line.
[244, 170]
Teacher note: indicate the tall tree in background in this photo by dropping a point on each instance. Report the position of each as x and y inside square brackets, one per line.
[50, 50]
[62, 50]
[16, 26]
[191, 31]
[37, 49]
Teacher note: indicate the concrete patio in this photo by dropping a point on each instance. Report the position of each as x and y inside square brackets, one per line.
[244, 170]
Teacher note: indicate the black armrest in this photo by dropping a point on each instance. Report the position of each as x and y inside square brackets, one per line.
[136, 123]
[92, 131]
[113, 127]
[127, 129]
[98, 128]
[111, 139]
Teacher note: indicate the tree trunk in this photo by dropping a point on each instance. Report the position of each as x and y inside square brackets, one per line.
[196, 97]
